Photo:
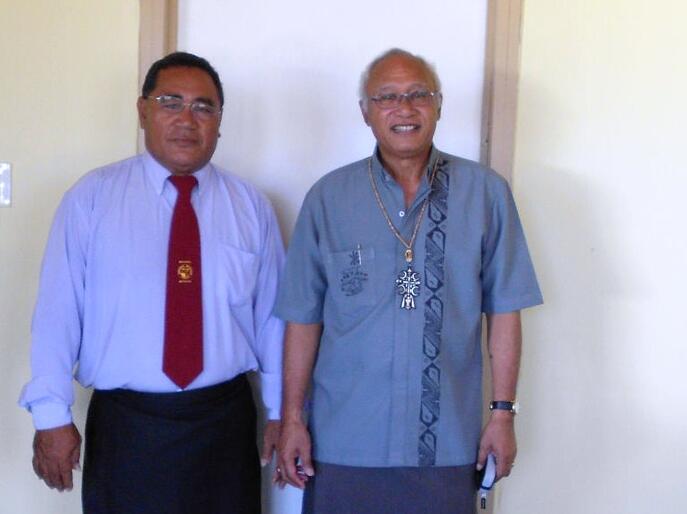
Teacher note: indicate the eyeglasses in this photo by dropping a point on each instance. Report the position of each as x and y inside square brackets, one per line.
[418, 98]
[174, 105]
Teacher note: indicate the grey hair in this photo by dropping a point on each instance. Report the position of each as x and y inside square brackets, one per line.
[365, 76]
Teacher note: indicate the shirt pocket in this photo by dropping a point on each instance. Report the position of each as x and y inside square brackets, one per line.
[239, 274]
[351, 278]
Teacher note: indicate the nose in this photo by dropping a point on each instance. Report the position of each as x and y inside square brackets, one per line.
[186, 117]
[405, 105]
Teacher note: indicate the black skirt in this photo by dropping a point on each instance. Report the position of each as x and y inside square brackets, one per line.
[189, 452]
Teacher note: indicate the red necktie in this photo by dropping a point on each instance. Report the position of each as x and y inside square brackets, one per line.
[183, 354]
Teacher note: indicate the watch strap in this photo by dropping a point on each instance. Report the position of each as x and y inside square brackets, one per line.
[503, 405]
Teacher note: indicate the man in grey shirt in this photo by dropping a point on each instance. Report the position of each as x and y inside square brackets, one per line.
[393, 261]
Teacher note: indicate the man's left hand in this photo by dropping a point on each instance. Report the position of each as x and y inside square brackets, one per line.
[270, 439]
[498, 438]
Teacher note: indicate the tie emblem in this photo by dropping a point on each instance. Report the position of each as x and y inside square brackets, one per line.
[184, 272]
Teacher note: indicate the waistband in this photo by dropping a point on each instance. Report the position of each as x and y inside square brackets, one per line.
[203, 396]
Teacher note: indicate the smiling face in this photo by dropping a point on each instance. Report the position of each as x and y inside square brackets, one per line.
[181, 142]
[406, 131]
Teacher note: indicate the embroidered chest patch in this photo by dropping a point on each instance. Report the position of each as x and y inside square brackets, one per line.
[354, 277]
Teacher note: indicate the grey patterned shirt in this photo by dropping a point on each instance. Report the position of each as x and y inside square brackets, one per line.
[397, 387]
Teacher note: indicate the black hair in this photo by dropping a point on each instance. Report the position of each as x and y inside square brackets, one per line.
[180, 59]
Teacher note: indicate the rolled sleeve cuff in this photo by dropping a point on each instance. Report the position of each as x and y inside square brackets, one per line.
[50, 415]
[48, 398]
[492, 306]
[270, 385]
[295, 313]
[300, 319]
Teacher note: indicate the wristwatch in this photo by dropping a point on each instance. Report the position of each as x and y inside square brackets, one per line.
[513, 407]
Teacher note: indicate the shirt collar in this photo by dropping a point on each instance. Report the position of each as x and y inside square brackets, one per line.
[158, 174]
[377, 166]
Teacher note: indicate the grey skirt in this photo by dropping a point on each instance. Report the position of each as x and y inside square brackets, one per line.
[403, 490]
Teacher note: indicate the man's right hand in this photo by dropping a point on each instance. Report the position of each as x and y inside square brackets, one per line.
[294, 443]
[56, 452]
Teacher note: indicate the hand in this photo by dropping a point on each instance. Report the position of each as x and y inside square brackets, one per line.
[498, 438]
[56, 453]
[294, 443]
[270, 439]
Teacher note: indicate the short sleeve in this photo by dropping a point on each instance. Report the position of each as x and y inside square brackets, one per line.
[303, 285]
[509, 282]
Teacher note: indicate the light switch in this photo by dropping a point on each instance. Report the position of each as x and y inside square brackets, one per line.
[5, 184]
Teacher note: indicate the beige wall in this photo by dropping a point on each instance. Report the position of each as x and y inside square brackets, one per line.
[600, 182]
[68, 91]
[600, 179]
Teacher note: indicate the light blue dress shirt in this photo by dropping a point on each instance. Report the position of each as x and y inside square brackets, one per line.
[395, 387]
[100, 310]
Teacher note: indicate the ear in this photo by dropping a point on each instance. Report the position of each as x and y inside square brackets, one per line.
[363, 110]
[142, 115]
[441, 101]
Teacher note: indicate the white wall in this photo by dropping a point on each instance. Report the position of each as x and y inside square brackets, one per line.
[67, 104]
[291, 71]
[600, 179]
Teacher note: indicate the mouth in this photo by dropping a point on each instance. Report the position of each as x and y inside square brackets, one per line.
[184, 141]
[404, 129]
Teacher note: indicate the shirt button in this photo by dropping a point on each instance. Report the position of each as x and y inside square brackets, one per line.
[401, 213]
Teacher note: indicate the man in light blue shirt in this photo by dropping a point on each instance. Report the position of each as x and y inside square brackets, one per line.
[393, 263]
[151, 447]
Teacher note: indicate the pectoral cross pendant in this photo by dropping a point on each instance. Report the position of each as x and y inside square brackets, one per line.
[408, 283]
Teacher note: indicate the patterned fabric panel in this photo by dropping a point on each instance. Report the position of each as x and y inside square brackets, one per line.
[435, 242]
